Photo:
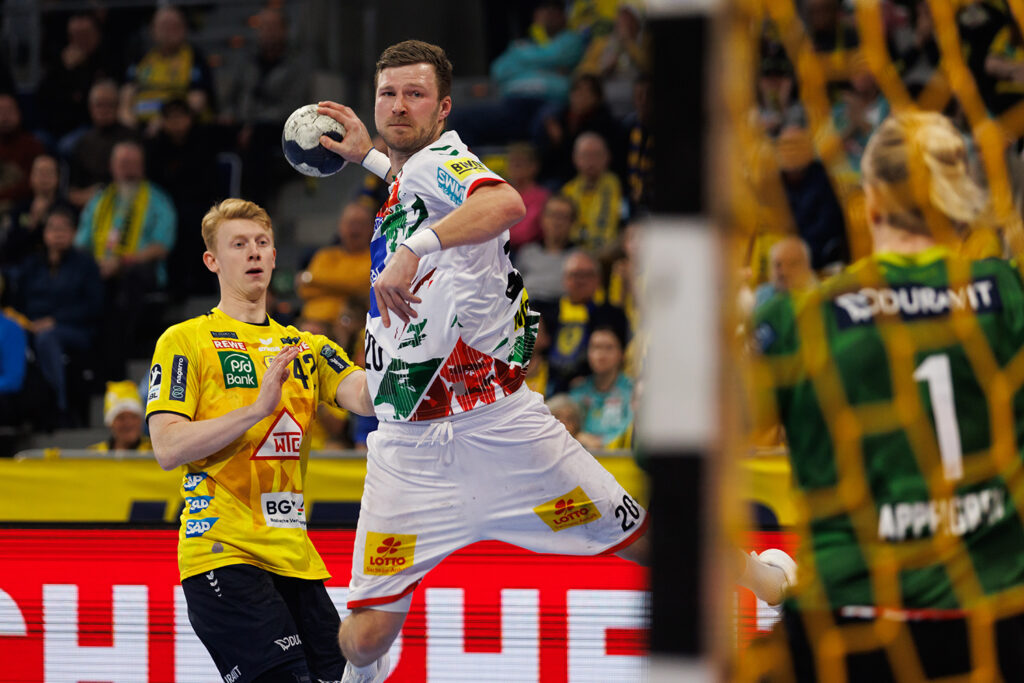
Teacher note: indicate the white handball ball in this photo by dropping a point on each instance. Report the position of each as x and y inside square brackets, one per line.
[301, 142]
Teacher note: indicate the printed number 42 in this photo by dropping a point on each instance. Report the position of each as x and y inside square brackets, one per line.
[936, 371]
[629, 511]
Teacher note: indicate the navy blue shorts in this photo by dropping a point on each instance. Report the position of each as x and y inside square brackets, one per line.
[252, 620]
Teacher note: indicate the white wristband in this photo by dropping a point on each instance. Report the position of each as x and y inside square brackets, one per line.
[423, 242]
[377, 163]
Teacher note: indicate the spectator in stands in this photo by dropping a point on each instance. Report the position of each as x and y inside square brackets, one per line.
[571, 319]
[566, 411]
[913, 48]
[531, 74]
[597, 193]
[13, 347]
[542, 264]
[832, 38]
[858, 111]
[21, 230]
[18, 148]
[605, 395]
[58, 295]
[789, 268]
[182, 159]
[777, 102]
[349, 331]
[62, 95]
[640, 149]
[261, 89]
[523, 167]
[1004, 63]
[812, 201]
[620, 56]
[122, 414]
[339, 271]
[586, 111]
[89, 160]
[129, 228]
[622, 275]
[172, 68]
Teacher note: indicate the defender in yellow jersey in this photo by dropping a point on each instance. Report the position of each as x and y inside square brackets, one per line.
[232, 394]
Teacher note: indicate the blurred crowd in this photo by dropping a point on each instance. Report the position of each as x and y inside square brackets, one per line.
[132, 132]
[803, 176]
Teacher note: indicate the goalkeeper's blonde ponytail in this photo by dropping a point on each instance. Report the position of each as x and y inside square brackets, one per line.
[916, 163]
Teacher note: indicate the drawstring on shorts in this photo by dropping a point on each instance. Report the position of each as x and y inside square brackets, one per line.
[439, 433]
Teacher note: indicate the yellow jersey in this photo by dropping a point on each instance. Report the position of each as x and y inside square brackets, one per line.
[244, 503]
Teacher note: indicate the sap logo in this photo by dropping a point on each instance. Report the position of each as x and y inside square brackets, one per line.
[450, 186]
[197, 503]
[198, 527]
[233, 675]
[192, 480]
[155, 378]
[284, 510]
[288, 642]
[228, 344]
[224, 335]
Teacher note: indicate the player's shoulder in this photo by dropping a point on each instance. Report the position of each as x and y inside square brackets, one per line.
[186, 329]
[450, 155]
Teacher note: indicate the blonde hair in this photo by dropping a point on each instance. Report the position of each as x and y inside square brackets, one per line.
[916, 165]
[231, 209]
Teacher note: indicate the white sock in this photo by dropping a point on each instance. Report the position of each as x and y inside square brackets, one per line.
[370, 668]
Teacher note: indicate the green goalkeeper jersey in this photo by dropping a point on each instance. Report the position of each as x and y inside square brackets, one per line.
[899, 385]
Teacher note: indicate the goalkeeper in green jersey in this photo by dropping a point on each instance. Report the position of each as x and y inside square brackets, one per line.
[899, 384]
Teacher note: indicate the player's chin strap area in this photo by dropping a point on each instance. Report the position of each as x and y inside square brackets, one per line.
[439, 433]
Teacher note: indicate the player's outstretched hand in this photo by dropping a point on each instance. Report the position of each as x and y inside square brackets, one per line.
[393, 287]
[273, 378]
[356, 143]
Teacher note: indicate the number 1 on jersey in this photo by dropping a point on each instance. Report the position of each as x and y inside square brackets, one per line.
[936, 371]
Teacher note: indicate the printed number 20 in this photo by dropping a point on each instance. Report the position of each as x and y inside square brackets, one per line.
[629, 511]
[935, 370]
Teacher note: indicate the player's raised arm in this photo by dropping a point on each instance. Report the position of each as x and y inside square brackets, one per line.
[177, 440]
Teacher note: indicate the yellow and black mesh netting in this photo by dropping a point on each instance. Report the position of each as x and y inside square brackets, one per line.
[805, 84]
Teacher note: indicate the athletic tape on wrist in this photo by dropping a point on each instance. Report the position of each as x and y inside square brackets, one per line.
[423, 242]
[377, 163]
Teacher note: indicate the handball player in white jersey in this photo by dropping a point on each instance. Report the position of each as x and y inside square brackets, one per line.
[465, 451]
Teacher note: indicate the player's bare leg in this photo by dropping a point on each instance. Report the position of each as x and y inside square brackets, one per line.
[638, 551]
[366, 634]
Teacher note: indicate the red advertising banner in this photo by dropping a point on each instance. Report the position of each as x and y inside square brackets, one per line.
[106, 605]
[91, 605]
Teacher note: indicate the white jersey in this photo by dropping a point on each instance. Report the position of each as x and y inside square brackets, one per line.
[474, 334]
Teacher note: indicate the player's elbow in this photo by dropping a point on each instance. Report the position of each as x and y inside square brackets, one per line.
[511, 206]
[166, 456]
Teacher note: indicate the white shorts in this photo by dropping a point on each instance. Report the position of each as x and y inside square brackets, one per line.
[508, 472]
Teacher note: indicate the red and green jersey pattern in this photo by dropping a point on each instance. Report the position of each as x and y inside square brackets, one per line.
[891, 381]
[474, 334]
[244, 503]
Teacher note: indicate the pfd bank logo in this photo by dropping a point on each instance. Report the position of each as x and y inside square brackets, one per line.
[387, 554]
[572, 509]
